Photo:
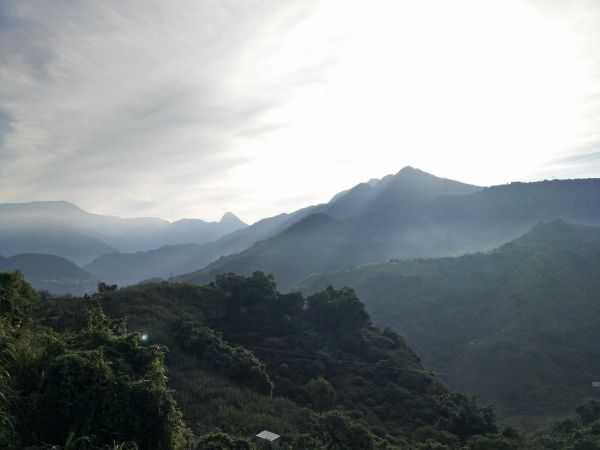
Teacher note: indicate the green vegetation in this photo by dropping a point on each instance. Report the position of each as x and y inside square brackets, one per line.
[580, 432]
[241, 358]
[237, 340]
[87, 388]
[520, 322]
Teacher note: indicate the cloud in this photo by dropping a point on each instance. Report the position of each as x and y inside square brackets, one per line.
[580, 158]
[105, 101]
[579, 162]
[186, 108]
[5, 126]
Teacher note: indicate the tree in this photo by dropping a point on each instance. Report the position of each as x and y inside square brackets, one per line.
[104, 287]
[99, 382]
[16, 297]
[222, 441]
[321, 393]
[337, 310]
[588, 412]
[342, 433]
[464, 417]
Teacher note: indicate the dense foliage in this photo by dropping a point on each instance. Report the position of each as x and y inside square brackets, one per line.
[579, 432]
[97, 383]
[520, 322]
[242, 358]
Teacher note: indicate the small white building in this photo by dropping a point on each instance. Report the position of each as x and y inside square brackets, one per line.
[266, 436]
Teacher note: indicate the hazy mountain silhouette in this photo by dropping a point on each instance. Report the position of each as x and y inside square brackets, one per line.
[63, 229]
[524, 314]
[39, 236]
[421, 224]
[409, 214]
[129, 268]
[397, 192]
[407, 188]
[52, 273]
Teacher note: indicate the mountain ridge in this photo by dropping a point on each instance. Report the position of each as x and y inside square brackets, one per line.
[379, 219]
[28, 223]
[449, 223]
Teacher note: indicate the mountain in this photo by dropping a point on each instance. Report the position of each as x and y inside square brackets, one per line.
[405, 188]
[409, 214]
[244, 357]
[231, 222]
[198, 231]
[131, 268]
[345, 230]
[63, 229]
[51, 273]
[518, 325]
[49, 238]
[419, 224]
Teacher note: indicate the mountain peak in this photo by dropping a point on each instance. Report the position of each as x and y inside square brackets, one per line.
[410, 170]
[415, 176]
[407, 169]
[230, 218]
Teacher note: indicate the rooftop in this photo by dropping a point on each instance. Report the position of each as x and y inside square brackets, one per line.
[267, 435]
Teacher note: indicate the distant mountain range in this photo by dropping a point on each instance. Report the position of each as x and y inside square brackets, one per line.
[408, 215]
[518, 324]
[130, 268]
[403, 190]
[63, 229]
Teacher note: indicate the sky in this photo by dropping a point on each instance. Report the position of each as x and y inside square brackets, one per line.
[190, 108]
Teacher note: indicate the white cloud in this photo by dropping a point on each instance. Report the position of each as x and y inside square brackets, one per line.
[106, 100]
[187, 108]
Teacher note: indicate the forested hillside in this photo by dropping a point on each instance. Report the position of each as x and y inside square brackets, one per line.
[321, 353]
[520, 322]
[240, 357]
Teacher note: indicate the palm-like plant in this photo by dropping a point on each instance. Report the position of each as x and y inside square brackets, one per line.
[6, 418]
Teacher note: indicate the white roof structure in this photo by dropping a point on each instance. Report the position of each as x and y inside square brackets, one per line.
[267, 436]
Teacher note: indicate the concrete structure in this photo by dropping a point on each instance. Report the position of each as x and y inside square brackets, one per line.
[266, 436]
